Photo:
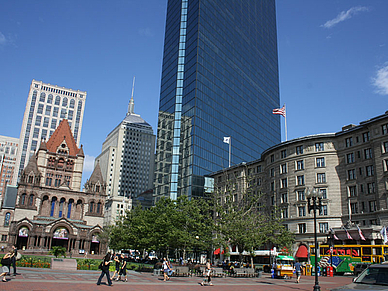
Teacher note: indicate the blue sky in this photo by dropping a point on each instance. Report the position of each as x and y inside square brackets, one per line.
[333, 61]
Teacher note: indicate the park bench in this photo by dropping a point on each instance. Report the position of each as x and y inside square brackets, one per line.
[218, 272]
[244, 272]
[182, 271]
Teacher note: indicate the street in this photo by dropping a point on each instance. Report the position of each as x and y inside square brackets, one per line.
[31, 279]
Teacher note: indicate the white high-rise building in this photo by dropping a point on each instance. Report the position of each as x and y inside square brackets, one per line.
[8, 154]
[127, 163]
[46, 106]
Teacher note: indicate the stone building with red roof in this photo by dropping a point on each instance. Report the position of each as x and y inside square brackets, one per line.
[50, 209]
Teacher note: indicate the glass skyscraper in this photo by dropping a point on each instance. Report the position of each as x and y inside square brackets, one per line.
[219, 79]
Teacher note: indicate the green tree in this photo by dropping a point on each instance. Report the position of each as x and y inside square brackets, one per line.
[179, 225]
[241, 218]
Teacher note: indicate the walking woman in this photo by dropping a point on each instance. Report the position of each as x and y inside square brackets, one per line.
[6, 265]
[105, 269]
[208, 273]
[166, 268]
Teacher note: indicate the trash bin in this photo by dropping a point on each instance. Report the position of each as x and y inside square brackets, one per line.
[330, 271]
[308, 270]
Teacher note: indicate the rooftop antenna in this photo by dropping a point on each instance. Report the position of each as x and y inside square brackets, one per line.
[131, 105]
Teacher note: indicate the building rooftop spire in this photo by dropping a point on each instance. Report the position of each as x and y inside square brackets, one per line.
[131, 105]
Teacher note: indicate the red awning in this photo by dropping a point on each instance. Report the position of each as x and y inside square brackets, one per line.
[302, 252]
[217, 251]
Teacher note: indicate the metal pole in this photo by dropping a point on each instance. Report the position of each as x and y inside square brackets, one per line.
[316, 286]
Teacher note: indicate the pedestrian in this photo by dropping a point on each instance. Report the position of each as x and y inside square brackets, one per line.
[208, 272]
[13, 259]
[170, 269]
[166, 267]
[104, 266]
[298, 271]
[117, 261]
[123, 269]
[6, 265]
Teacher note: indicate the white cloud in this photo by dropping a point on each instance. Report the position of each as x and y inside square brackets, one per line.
[145, 32]
[381, 80]
[88, 164]
[344, 15]
[3, 40]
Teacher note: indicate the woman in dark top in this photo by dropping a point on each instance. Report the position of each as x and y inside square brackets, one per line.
[6, 265]
[105, 269]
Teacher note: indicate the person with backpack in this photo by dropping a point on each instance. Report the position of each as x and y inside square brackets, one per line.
[104, 266]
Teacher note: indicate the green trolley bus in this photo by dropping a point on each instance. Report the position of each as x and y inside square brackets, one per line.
[343, 258]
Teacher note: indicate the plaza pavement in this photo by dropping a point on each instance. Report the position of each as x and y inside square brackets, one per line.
[31, 279]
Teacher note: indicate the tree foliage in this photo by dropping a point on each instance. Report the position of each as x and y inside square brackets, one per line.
[243, 220]
[181, 225]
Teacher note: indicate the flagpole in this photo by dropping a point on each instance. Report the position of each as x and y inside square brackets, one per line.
[285, 121]
[230, 149]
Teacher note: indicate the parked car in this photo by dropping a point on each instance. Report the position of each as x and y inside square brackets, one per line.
[375, 277]
[360, 267]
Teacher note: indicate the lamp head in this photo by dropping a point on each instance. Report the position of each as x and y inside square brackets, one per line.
[314, 193]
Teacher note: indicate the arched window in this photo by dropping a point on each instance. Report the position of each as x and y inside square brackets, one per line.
[31, 179]
[60, 164]
[61, 202]
[42, 97]
[91, 207]
[64, 102]
[7, 218]
[31, 200]
[71, 201]
[57, 100]
[98, 207]
[72, 103]
[50, 98]
[53, 206]
[23, 199]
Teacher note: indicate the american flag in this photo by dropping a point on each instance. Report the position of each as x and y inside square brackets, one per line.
[348, 234]
[280, 111]
[360, 233]
[335, 237]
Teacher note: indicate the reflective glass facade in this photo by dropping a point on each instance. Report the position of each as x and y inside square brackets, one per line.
[219, 78]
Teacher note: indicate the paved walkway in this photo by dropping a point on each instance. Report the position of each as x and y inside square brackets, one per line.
[31, 279]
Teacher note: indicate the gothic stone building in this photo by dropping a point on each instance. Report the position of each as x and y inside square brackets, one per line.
[49, 208]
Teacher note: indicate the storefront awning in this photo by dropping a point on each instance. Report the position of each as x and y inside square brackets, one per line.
[217, 251]
[302, 252]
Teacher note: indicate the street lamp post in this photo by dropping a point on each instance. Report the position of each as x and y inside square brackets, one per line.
[314, 201]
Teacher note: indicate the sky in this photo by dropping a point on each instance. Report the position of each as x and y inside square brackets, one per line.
[333, 61]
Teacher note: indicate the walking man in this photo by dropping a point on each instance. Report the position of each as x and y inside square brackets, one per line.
[298, 271]
[13, 259]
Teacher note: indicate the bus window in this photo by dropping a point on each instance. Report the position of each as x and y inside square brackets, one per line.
[356, 252]
[385, 250]
[365, 258]
[324, 250]
[366, 251]
[377, 251]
